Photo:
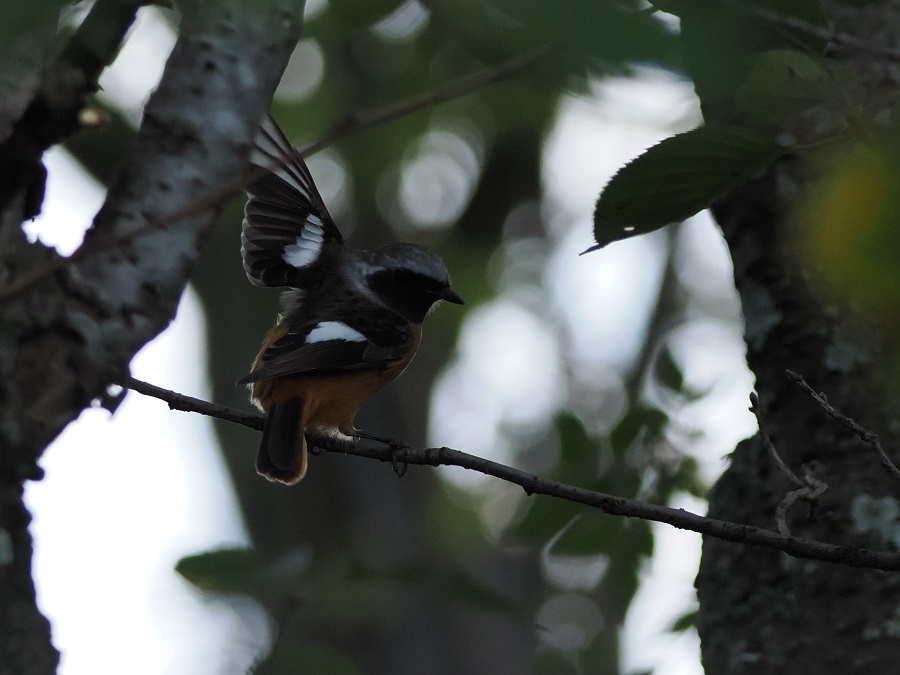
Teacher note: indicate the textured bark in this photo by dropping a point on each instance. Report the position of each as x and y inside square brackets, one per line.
[73, 329]
[762, 612]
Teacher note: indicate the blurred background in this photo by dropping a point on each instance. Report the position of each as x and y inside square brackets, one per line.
[620, 371]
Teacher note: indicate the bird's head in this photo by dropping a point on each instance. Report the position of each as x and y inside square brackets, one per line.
[409, 279]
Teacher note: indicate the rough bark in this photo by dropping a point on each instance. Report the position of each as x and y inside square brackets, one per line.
[762, 612]
[70, 327]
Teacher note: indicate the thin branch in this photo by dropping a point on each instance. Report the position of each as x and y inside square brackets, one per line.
[447, 92]
[809, 489]
[190, 404]
[532, 484]
[346, 127]
[767, 441]
[864, 434]
[812, 489]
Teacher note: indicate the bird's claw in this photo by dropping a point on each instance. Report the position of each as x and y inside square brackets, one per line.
[312, 444]
[399, 467]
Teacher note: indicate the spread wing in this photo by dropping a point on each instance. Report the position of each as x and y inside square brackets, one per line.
[286, 228]
[332, 346]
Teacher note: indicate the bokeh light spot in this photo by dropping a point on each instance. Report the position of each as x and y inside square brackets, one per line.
[303, 73]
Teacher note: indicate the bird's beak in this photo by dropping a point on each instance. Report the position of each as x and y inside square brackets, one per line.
[451, 296]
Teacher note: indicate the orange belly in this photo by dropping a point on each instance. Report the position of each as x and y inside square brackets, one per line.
[330, 401]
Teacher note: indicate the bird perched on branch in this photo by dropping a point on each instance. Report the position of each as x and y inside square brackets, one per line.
[352, 319]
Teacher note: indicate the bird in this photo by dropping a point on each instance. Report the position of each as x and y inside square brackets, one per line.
[351, 320]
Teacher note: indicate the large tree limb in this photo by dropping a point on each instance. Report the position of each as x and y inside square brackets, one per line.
[65, 338]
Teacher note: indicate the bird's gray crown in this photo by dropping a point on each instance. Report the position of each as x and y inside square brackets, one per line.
[412, 257]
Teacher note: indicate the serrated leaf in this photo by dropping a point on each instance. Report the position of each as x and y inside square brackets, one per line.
[679, 177]
[229, 570]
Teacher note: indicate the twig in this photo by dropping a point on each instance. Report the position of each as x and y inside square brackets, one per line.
[812, 488]
[533, 484]
[190, 404]
[767, 440]
[446, 92]
[349, 125]
[809, 489]
[864, 434]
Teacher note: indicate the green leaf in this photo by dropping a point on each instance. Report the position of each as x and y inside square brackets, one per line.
[684, 622]
[578, 451]
[668, 371]
[583, 34]
[761, 15]
[229, 570]
[685, 478]
[782, 83]
[640, 423]
[679, 177]
[719, 39]
[544, 519]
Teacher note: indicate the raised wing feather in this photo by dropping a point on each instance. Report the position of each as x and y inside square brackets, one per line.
[287, 229]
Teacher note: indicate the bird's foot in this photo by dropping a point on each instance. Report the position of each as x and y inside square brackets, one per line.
[399, 467]
[320, 440]
[314, 448]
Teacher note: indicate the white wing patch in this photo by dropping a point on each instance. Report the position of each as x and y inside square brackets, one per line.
[334, 330]
[309, 243]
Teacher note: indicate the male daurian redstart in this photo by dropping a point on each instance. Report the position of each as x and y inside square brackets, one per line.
[352, 319]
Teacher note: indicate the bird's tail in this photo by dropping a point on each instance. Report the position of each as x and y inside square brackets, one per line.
[282, 452]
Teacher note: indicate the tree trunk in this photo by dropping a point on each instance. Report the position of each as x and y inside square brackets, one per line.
[68, 328]
[760, 611]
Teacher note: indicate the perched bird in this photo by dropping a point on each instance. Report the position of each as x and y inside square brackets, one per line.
[352, 319]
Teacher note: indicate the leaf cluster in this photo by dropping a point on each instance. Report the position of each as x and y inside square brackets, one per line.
[766, 89]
